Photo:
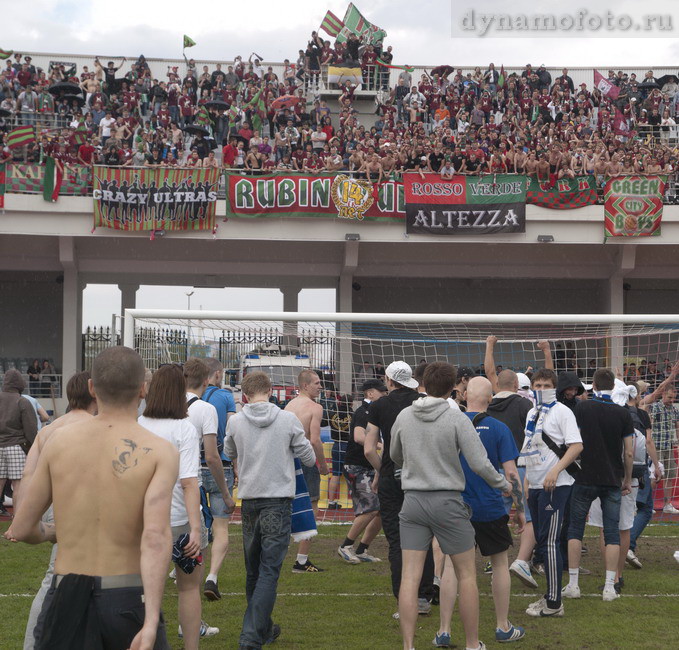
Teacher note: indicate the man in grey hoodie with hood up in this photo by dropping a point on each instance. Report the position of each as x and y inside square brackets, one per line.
[427, 439]
[265, 440]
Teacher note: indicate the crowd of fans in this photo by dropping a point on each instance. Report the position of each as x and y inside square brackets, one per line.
[447, 121]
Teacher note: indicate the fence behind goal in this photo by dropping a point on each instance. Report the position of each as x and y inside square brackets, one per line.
[347, 349]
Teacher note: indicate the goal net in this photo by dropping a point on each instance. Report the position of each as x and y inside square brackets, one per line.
[347, 349]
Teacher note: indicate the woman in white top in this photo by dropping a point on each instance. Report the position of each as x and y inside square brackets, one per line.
[166, 415]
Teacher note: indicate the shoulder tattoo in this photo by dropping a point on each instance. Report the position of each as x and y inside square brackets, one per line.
[127, 456]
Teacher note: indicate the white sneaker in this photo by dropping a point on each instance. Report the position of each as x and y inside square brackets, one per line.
[205, 630]
[423, 607]
[173, 574]
[610, 594]
[537, 605]
[348, 555]
[521, 570]
[669, 509]
[366, 557]
[633, 560]
[570, 591]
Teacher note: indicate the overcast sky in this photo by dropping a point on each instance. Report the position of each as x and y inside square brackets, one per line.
[421, 32]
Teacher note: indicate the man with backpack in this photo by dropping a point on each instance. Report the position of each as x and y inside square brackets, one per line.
[551, 444]
[222, 399]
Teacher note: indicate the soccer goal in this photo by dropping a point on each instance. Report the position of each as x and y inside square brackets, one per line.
[347, 348]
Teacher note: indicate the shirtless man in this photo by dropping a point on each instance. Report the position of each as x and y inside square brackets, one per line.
[82, 407]
[105, 564]
[310, 413]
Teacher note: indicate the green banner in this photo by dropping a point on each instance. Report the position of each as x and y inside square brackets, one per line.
[30, 179]
[634, 206]
[563, 194]
[155, 199]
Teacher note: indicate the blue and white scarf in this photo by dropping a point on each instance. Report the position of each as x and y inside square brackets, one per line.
[533, 451]
[303, 520]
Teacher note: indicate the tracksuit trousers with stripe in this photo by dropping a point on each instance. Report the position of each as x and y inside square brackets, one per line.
[547, 511]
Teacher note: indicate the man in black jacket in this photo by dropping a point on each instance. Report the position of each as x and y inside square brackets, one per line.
[509, 407]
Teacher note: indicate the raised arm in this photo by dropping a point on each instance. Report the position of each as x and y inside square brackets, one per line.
[489, 362]
[649, 399]
[547, 351]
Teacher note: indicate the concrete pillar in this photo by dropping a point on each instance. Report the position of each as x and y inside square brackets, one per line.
[128, 300]
[290, 303]
[615, 304]
[71, 354]
[344, 350]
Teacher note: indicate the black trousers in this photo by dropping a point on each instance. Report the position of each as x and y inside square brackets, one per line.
[391, 500]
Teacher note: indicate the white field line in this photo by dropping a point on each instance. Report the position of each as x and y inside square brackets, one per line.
[308, 594]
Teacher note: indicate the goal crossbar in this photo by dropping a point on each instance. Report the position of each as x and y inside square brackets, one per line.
[131, 315]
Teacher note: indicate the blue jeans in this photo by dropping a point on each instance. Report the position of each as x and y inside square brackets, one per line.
[581, 501]
[217, 505]
[266, 535]
[644, 512]
[547, 511]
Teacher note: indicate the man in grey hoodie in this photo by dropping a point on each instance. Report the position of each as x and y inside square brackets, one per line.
[265, 440]
[18, 428]
[427, 439]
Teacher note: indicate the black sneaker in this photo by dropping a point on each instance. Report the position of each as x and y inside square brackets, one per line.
[211, 591]
[488, 569]
[4, 512]
[275, 633]
[305, 568]
[333, 505]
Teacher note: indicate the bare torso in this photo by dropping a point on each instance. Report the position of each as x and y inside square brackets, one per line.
[304, 408]
[100, 471]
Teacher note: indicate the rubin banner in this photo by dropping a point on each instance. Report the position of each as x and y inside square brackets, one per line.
[155, 199]
[313, 196]
[633, 206]
[465, 205]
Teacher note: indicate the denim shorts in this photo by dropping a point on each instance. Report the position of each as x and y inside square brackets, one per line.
[582, 497]
[312, 477]
[339, 450]
[217, 505]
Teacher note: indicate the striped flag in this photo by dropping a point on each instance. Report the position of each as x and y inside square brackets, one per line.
[5, 54]
[54, 177]
[20, 136]
[502, 78]
[355, 23]
[332, 24]
[80, 133]
[3, 167]
[188, 42]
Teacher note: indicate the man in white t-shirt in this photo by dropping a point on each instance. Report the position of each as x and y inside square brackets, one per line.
[105, 127]
[204, 417]
[548, 482]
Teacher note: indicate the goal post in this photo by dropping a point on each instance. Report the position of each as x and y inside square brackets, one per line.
[348, 348]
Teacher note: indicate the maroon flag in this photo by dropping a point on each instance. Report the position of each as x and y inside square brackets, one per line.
[620, 126]
[604, 86]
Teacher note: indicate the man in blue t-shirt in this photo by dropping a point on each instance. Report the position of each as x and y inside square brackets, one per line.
[222, 399]
[489, 517]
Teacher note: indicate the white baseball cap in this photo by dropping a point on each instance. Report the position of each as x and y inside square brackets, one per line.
[401, 373]
[524, 381]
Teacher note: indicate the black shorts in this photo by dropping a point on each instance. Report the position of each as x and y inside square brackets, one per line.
[109, 616]
[492, 537]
